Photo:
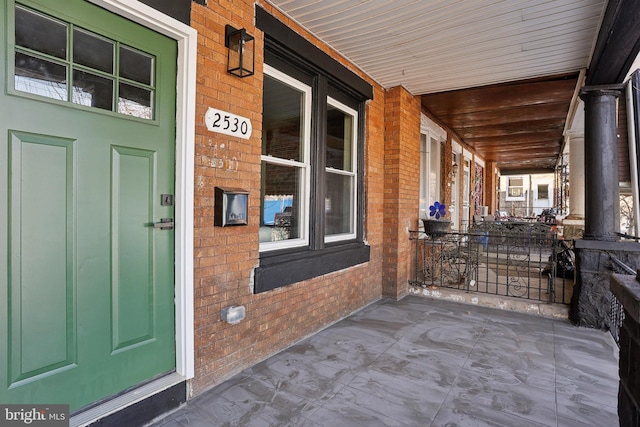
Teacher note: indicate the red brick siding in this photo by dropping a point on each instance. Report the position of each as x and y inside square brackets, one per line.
[446, 168]
[491, 184]
[401, 190]
[224, 258]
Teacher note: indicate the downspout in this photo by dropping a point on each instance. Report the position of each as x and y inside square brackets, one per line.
[633, 158]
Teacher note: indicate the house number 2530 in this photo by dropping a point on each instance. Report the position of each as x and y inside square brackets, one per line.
[227, 123]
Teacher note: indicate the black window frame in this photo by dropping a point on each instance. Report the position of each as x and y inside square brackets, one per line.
[293, 55]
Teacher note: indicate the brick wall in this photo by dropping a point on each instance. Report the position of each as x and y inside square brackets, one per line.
[477, 187]
[225, 257]
[401, 189]
[375, 180]
[491, 184]
[446, 159]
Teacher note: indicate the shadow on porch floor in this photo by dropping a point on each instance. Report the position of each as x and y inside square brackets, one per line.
[424, 362]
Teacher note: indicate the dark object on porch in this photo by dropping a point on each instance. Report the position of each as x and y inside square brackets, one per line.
[565, 265]
[548, 215]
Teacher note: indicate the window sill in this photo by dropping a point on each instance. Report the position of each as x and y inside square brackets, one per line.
[284, 268]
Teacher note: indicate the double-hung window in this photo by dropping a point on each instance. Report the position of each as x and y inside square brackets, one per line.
[515, 188]
[286, 129]
[287, 165]
[430, 157]
[429, 173]
[311, 195]
[340, 172]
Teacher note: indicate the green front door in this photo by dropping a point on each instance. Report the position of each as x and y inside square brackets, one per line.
[87, 146]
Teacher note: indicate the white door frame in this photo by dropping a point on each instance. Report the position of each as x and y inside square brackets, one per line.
[187, 41]
[455, 188]
[466, 189]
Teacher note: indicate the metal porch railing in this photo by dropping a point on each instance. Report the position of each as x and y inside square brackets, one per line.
[534, 266]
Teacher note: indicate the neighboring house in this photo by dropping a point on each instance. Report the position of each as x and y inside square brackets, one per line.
[526, 195]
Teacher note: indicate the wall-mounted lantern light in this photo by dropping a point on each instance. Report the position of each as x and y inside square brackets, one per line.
[454, 169]
[241, 51]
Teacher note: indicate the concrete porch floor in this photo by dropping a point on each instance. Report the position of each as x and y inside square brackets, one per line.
[424, 362]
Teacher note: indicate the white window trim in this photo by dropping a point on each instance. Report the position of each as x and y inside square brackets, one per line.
[538, 191]
[423, 202]
[432, 130]
[513, 198]
[424, 168]
[437, 155]
[304, 165]
[353, 173]
[456, 147]
[428, 126]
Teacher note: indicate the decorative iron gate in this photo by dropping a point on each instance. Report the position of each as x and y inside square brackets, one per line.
[522, 262]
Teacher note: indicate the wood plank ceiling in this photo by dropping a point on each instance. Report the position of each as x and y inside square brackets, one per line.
[518, 125]
[457, 53]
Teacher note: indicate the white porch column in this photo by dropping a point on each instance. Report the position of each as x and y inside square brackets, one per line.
[576, 176]
[573, 224]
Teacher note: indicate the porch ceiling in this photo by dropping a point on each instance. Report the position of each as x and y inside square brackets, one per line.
[459, 54]
[518, 125]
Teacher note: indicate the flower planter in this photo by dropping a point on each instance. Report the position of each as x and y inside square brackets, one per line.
[436, 227]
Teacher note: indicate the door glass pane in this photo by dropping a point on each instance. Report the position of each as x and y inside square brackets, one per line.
[282, 122]
[136, 66]
[135, 101]
[92, 90]
[543, 191]
[39, 33]
[339, 139]
[338, 205]
[424, 179]
[40, 77]
[434, 172]
[92, 51]
[281, 204]
[38, 38]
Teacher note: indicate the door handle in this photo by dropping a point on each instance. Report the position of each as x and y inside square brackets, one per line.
[164, 224]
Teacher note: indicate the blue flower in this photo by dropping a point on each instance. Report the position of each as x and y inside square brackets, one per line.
[437, 210]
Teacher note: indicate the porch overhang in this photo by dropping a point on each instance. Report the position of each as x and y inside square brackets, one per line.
[502, 76]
